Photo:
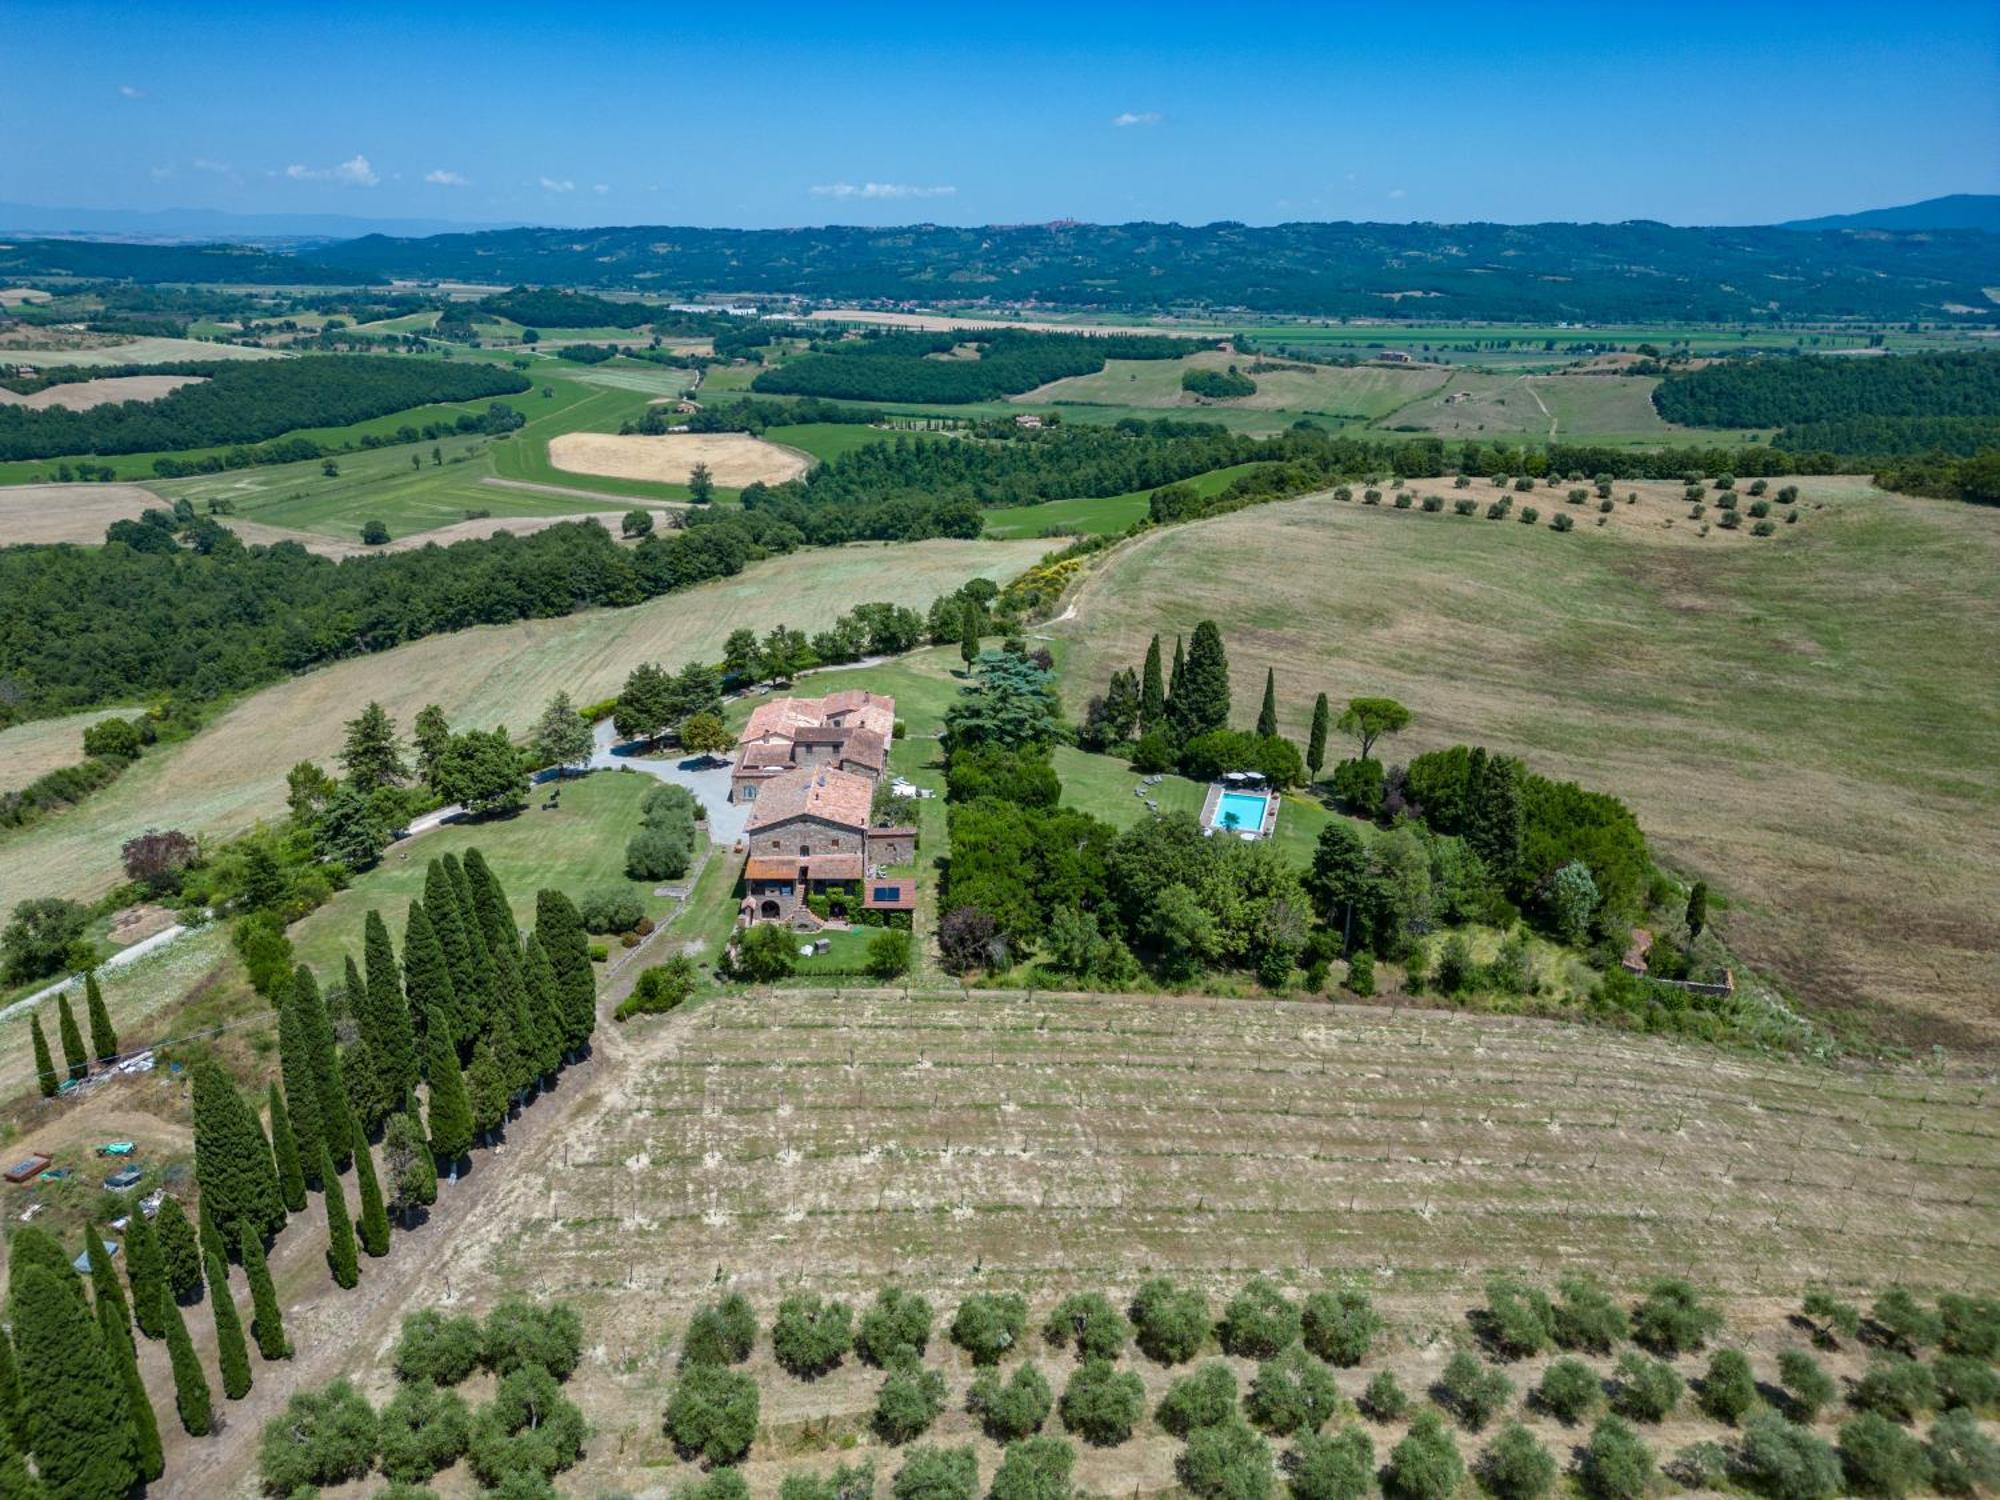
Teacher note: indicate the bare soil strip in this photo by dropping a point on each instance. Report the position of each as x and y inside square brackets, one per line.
[734, 459]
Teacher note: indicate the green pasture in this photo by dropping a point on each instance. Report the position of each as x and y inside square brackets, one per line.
[1097, 515]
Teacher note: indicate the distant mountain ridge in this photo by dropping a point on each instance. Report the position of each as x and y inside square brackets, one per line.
[194, 224]
[1954, 211]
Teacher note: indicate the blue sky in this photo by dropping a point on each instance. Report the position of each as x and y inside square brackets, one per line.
[773, 114]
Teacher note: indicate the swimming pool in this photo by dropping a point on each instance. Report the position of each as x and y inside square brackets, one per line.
[1240, 812]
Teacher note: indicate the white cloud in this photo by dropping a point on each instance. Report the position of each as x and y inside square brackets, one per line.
[1398, 193]
[131, 93]
[220, 168]
[600, 188]
[354, 172]
[880, 190]
[555, 185]
[439, 177]
[1137, 117]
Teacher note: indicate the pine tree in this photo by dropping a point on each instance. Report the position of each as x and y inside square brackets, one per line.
[76, 1062]
[426, 981]
[106, 1285]
[486, 1090]
[103, 1040]
[285, 1152]
[191, 1394]
[1316, 743]
[147, 1271]
[1201, 704]
[1267, 716]
[406, 1156]
[232, 1162]
[232, 1354]
[296, 1065]
[145, 1424]
[392, 1041]
[450, 1114]
[1152, 691]
[212, 1242]
[371, 756]
[374, 1226]
[79, 1422]
[448, 922]
[178, 1251]
[341, 1258]
[13, 1420]
[545, 1008]
[560, 930]
[267, 1323]
[45, 1065]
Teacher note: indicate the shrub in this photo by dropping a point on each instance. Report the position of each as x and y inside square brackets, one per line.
[1371, 497]
[1963, 1380]
[1879, 1458]
[932, 1473]
[1360, 978]
[1517, 1320]
[1829, 1316]
[1464, 507]
[1896, 1387]
[889, 954]
[661, 987]
[1788, 494]
[1728, 1390]
[1460, 481]
[1729, 520]
[1759, 509]
[1404, 499]
[423, 1429]
[439, 1349]
[659, 853]
[723, 1333]
[1433, 503]
[112, 739]
[1809, 1387]
[1200, 1398]
[1697, 511]
[322, 1437]
[1763, 528]
[810, 1335]
[1617, 1465]
[1101, 1403]
[1570, 1390]
[1259, 1321]
[1585, 1317]
[1170, 1323]
[896, 1326]
[1562, 521]
[1497, 511]
[1758, 486]
[1036, 1468]
[1293, 1392]
[531, 1427]
[1091, 1323]
[1343, 493]
[1529, 515]
[1647, 1390]
[1425, 1465]
[1964, 1460]
[1787, 1462]
[1012, 1408]
[1905, 1323]
[1524, 485]
[1337, 1466]
[519, 1333]
[1472, 1390]
[1673, 1319]
[989, 1324]
[1340, 1327]
[1605, 507]
[1577, 497]
[610, 909]
[1384, 1399]
[911, 1398]
[712, 1413]
[846, 1482]
[1516, 1467]
[1226, 1461]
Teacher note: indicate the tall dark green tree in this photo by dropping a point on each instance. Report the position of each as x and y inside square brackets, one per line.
[337, 1128]
[1267, 715]
[45, 1065]
[1495, 821]
[209, 1234]
[1152, 690]
[486, 1090]
[560, 929]
[1175, 682]
[385, 1023]
[426, 981]
[341, 1256]
[484, 984]
[285, 1153]
[146, 1268]
[191, 1394]
[13, 1420]
[450, 1116]
[371, 757]
[430, 734]
[449, 922]
[178, 1251]
[145, 1424]
[103, 1039]
[1202, 701]
[79, 1421]
[232, 1162]
[489, 900]
[267, 1321]
[232, 1355]
[1697, 915]
[374, 1225]
[105, 1284]
[969, 622]
[406, 1157]
[298, 1064]
[1316, 740]
[16, 1483]
[76, 1062]
[545, 1008]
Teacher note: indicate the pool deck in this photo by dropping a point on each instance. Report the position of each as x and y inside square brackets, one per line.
[1213, 796]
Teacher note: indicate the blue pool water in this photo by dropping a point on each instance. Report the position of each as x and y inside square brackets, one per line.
[1241, 811]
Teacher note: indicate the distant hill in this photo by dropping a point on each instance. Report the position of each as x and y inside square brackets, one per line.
[1589, 273]
[101, 260]
[1958, 211]
[210, 225]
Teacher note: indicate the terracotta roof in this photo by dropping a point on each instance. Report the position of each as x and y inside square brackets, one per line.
[889, 895]
[833, 867]
[851, 708]
[765, 755]
[836, 796]
[865, 748]
[820, 734]
[892, 833]
[769, 868]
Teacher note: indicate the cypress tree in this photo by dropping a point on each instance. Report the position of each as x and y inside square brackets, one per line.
[145, 1424]
[374, 1227]
[461, 889]
[1316, 742]
[13, 1421]
[267, 1323]
[16, 1483]
[45, 1065]
[1495, 821]
[341, 1258]
[147, 1271]
[412, 1172]
[1267, 715]
[336, 1120]
[545, 1007]
[559, 928]
[296, 1066]
[232, 1354]
[426, 981]
[1152, 690]
[450, 1114]
[496, 914]
[1202, 702]
[523, 1052]
[1177, 681]
[37, 1247]
[968, 634]
[105, 1283]
[352, 999]
[75, 1060]
[212, 1242]
[178, 1250]
[392, 1041]
[485, 989]
[79, 1421]
[103, 1040]
[232, 1161]
[441, 906]
[486, 1090]
[285, 1153]
[191, 1395]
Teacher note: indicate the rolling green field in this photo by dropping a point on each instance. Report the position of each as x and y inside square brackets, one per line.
[1357, 394]
[1566, 408]
[1097, 515]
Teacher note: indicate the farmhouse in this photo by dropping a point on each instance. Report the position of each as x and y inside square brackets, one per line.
[1394, 357]
[809, 837]
[849, 731]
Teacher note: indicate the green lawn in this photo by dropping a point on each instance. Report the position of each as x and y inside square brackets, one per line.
[575, 849]
[1097, 515]
[1104, 786]
[845, 950]
[825, 440]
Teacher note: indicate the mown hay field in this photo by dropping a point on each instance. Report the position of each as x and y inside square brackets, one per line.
[1806, 721]
[1361, 392]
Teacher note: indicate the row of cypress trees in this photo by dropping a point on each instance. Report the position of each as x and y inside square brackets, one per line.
[76, 1061]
